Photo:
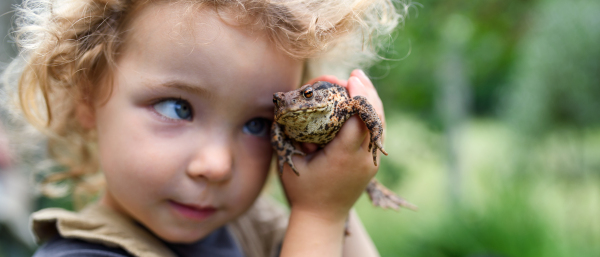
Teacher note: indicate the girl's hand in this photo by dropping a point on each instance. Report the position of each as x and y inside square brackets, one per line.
[332, 179]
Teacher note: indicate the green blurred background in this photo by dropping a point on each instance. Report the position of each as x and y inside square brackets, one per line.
[493, 114]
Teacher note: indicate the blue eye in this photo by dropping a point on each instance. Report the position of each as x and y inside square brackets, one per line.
[257, 127]
[175, 109]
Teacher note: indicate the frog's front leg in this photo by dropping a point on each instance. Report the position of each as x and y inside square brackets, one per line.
[283, 148]
[368, 115]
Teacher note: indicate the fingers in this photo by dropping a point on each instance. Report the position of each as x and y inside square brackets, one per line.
[309, 148]
[330, 79]
[356, 87]
[360, 74]
[360, 84]
[350, 137]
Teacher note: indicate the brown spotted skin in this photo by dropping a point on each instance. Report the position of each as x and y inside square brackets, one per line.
[314, 114]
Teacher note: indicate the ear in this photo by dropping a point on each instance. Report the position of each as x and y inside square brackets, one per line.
[85, 114]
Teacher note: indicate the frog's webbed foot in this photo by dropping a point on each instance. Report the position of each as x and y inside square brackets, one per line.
[283, 148]
[385, 198]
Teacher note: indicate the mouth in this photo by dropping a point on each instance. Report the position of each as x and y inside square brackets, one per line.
[194, 212]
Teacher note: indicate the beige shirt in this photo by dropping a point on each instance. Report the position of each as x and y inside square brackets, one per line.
[259, 232]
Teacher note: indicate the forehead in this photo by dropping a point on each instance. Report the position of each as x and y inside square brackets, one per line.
[172, 27]
[199, 45]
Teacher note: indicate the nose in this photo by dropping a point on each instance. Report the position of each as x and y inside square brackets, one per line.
[213, 161]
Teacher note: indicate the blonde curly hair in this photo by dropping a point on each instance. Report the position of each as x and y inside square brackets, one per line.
[68, 47]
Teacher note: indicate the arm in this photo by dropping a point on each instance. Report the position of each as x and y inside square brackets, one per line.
[309, 234]
[320, 237]
[331, 181]
[358, 243]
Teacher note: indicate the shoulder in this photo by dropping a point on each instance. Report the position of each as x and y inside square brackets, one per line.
[267, 216]
[66, 247]
[96, 225]
[261, 229]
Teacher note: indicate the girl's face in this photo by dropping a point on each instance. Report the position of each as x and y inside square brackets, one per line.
[184, 137]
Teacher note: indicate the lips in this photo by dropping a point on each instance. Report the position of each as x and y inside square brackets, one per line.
[193, 212]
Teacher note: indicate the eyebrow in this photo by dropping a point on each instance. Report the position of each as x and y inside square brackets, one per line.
[179, 85]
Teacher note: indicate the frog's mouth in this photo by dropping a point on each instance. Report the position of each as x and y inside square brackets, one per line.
[296, 113]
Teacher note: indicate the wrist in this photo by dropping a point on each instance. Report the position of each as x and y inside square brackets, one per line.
[313, 234]
[323, 216]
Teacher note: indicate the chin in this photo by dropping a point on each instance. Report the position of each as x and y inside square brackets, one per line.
[183, 236]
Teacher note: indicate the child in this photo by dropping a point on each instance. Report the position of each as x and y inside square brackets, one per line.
[172, 102]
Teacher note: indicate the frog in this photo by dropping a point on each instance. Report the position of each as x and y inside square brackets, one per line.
[314, 113]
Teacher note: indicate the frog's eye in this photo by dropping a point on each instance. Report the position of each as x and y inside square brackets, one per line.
[275, 100]
[308, 93]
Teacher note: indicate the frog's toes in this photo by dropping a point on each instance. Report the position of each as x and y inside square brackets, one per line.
[375, 156]
[286, 157]
[385, 198]
[374, 145]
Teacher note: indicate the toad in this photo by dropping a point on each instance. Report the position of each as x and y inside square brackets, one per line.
[314, 114]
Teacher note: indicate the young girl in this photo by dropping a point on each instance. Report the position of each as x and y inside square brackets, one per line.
[171, 102]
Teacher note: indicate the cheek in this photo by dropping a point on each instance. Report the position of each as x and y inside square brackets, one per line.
[134, 160]
[139, 165]
[252, 167]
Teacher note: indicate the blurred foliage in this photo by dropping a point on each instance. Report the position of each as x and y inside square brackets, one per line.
[529, 149]
[509, 207]
[537, 62]
[556, 80]
[490, 32]
[10, 245]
